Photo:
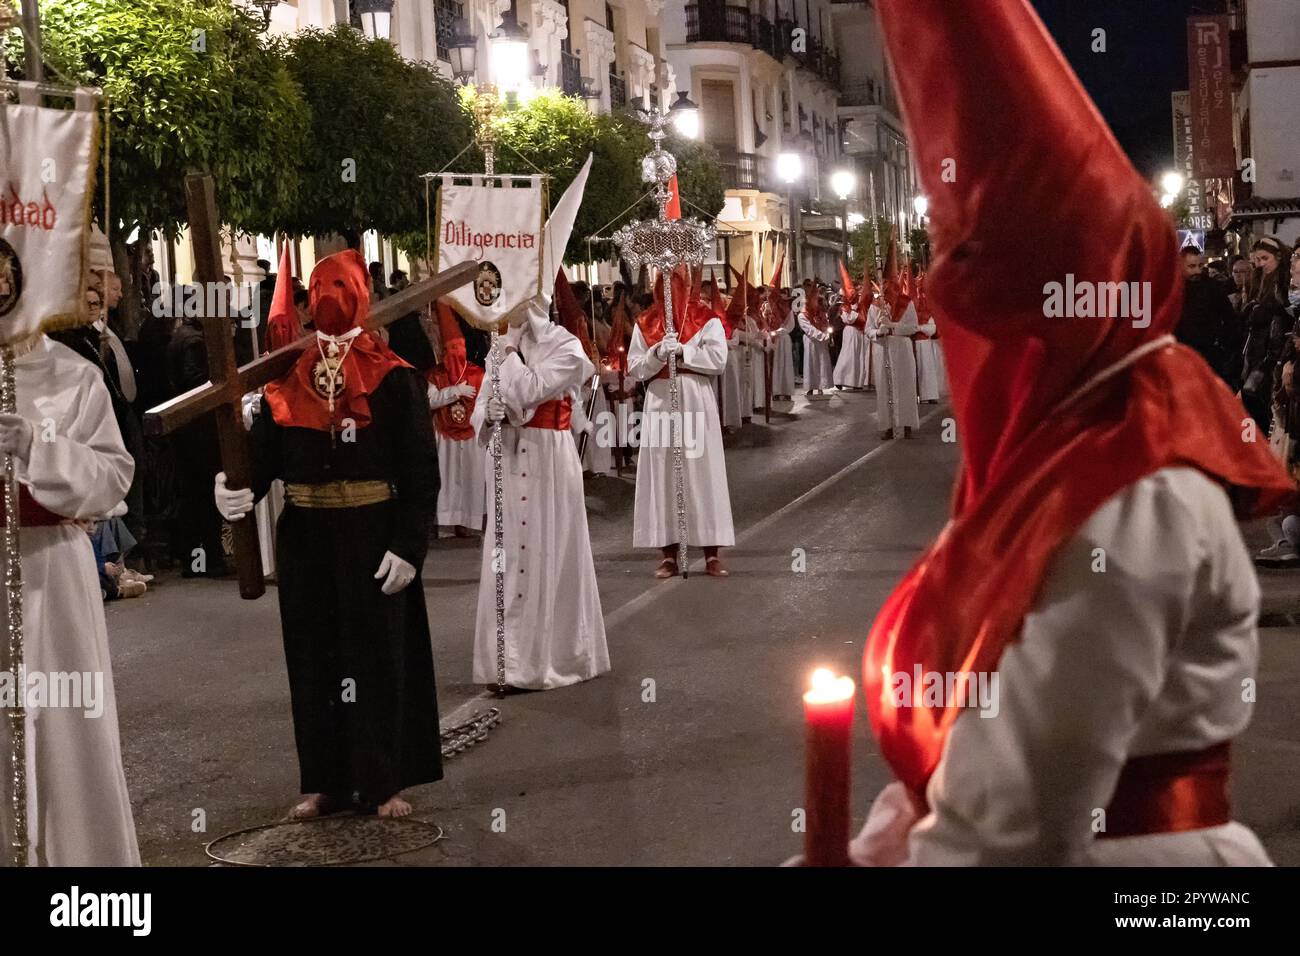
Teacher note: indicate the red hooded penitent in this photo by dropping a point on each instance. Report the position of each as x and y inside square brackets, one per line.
[1052, 422]
[340, 302]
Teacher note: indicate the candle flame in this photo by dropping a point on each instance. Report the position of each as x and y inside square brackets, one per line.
[825, 687]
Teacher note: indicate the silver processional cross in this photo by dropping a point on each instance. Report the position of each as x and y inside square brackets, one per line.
[665, 244]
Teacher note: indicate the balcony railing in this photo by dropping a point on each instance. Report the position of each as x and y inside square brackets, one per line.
[570, 74]
[448, 14]
[743, 170]
[717, 21]
[617, 91]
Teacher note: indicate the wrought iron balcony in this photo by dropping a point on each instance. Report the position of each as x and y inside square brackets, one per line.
[448, 13]
[570, 74]
[718, 21]
[617, 90]
[743, 170]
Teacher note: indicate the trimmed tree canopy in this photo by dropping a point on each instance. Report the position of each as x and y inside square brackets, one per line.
[190, 87]
[378, 122]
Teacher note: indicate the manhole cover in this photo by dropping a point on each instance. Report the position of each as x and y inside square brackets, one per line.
[328, 841]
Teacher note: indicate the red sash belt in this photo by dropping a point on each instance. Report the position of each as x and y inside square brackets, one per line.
[1170, 793]
[31, 513]
[663, 373]
[556, 414]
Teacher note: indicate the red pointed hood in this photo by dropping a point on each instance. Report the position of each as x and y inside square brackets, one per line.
[340, 302]
[739, 304]
[572, 316]
[848, 293]
[282, 326]
[454, 355]
[1046, 437]
[689, 314]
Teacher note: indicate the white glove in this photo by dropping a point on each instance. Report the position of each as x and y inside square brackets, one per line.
[668, 345]
[16, 435]
[513, 334]
[252, 407]
[233, 504]
[496, 410]
[396, 573]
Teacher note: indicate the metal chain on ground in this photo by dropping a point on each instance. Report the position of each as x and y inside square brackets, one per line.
[468, 732]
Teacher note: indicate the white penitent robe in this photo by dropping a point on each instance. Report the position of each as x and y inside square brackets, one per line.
[78, 809]
[941, 369]
[734, 397]
[783, 361]
[597, 455]
[462, 482]
[555, 632]
[708, 499]
[759, 349]
[852, 368]
[816, 355]
[927, 364]
[1168, 631]
[895, 337]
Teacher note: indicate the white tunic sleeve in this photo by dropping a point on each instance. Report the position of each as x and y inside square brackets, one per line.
[706, 352]
[1024, 784]
[82, 470]
[908, 324]
[441, 397]
[873, 322]
[641, 361]
[556, 366]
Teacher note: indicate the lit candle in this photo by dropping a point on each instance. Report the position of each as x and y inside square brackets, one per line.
[828, 712]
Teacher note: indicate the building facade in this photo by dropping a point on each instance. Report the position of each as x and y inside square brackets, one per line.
[1267, 109]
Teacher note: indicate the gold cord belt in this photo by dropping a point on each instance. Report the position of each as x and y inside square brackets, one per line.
[338, 494]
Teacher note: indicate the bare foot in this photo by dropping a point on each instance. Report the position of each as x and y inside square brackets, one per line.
[310, 808]
[394, 806]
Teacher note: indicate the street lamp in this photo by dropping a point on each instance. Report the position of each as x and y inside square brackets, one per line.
[685, 116]
[1172, 183]
[508, 54]
[789, 167]
[463, 54]
[376, 17]
[922, 206]
[843, 182]
[265, 6]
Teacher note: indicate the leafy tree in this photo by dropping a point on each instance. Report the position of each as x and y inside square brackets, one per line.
[378, 123]
[862, 245]
[554, 133]
[190, 87]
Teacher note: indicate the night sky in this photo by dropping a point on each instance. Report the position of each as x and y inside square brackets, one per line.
[1145, 62]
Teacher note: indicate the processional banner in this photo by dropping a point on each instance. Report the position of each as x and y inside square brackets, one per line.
[47, 168]
[500, 227]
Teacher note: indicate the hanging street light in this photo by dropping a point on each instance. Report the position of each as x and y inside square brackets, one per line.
[508, 55]
[376, 18]
[685, 116]
[462, 54]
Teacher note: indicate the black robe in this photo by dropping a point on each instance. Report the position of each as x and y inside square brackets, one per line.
[336, 622]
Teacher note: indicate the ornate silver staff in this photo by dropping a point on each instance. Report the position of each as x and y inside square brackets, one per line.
[665, 244]
[13, 577]
[485, 107]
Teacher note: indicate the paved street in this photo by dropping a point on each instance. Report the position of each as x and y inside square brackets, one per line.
[707, 773]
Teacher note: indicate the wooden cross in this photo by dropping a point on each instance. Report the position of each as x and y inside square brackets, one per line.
[228, 382]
